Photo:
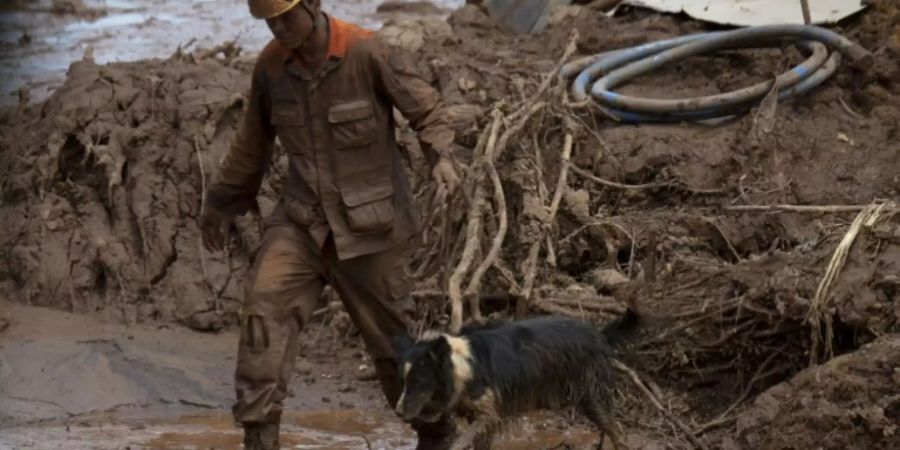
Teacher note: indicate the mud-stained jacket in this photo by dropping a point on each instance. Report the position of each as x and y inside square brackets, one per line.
[336, 124]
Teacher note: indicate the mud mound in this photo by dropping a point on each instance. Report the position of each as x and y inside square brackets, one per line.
[852, 402]
[102, 188]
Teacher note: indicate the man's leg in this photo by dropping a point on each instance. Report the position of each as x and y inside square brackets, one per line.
[283, 288]
[374, 289]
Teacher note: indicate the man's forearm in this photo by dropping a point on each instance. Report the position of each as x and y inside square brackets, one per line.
[234, 189]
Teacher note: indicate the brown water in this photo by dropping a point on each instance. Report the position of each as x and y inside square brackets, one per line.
[39, 41]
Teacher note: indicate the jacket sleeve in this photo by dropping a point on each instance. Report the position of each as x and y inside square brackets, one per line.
[234, 190]
[421, 104]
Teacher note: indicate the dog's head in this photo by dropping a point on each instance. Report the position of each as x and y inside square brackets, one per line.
[430, 373]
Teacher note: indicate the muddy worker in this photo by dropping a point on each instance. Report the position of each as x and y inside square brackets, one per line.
[326, 89]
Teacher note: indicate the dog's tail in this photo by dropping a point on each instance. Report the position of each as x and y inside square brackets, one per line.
[622, 327]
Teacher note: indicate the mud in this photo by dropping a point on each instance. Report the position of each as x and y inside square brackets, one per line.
[72, 381]
[58, 365]
[101, 190]
[851, 402]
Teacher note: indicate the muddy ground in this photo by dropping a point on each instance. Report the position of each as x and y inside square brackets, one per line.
[101, 192]
[76, 382]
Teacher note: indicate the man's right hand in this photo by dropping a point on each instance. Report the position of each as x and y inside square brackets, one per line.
[214, 228]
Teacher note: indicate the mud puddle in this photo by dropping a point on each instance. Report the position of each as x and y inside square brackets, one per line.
[41, 38]
[326, 430]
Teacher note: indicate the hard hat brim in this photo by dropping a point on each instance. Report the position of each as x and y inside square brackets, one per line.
[267, 9]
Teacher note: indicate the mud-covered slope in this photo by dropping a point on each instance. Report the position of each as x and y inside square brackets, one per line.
[102, 189]
[852, 402]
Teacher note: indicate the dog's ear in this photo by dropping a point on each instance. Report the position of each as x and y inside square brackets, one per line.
[439, 349]
[401, 342]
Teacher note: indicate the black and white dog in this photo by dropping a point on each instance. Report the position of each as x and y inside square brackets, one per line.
[494, 372]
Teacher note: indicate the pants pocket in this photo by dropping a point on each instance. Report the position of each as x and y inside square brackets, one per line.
[302, 214]
[399, 288]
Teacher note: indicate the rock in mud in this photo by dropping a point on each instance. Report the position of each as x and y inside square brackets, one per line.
[207, 321]
[417, 7]
[412, 35]
[366, 373]
[304, 367]
[578, 202]
[464, 117]
[342, 324]
[607, 279]
[850, 403]
[564, 14]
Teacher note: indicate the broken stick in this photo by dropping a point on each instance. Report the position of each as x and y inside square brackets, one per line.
[591, 177]
[494, 252]
[534, 251]
[473, 231]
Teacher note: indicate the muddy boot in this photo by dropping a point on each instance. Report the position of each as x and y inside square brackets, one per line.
[261, 436]
[435, 436]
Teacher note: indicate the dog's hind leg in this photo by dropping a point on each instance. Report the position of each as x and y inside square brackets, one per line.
[596, 413]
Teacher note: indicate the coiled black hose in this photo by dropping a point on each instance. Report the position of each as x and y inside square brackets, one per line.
[619, 66]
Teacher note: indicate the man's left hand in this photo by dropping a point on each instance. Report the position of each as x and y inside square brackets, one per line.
[445, 176]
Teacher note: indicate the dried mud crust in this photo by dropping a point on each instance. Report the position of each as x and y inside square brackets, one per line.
[101, 189]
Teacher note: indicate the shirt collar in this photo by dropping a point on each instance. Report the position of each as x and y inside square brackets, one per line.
[337, 48]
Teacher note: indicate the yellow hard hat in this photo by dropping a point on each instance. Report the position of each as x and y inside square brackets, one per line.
[266, 9]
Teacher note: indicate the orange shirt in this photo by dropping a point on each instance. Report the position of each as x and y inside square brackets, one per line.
[341, 35]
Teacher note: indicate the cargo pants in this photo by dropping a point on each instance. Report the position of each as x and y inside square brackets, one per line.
[284, 285]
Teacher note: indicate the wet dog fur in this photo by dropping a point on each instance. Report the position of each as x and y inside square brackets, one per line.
[494, 372]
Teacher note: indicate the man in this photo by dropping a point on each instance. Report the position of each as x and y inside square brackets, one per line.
[326, 89]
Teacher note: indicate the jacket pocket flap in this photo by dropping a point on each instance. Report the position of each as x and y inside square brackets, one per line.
[346, 112]
[364, 193]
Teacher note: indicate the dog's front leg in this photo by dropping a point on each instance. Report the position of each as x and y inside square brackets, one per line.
[483, 429]
[487, 421]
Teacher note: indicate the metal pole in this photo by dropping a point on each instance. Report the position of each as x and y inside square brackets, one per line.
[806, 16]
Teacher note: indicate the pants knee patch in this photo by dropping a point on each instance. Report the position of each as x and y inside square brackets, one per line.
[255, 333]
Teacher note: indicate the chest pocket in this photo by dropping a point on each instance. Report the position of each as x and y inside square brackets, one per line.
[288, 121]
[352, 124]
[286, 116]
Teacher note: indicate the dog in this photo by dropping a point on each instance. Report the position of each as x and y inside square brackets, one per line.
[491, 373]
